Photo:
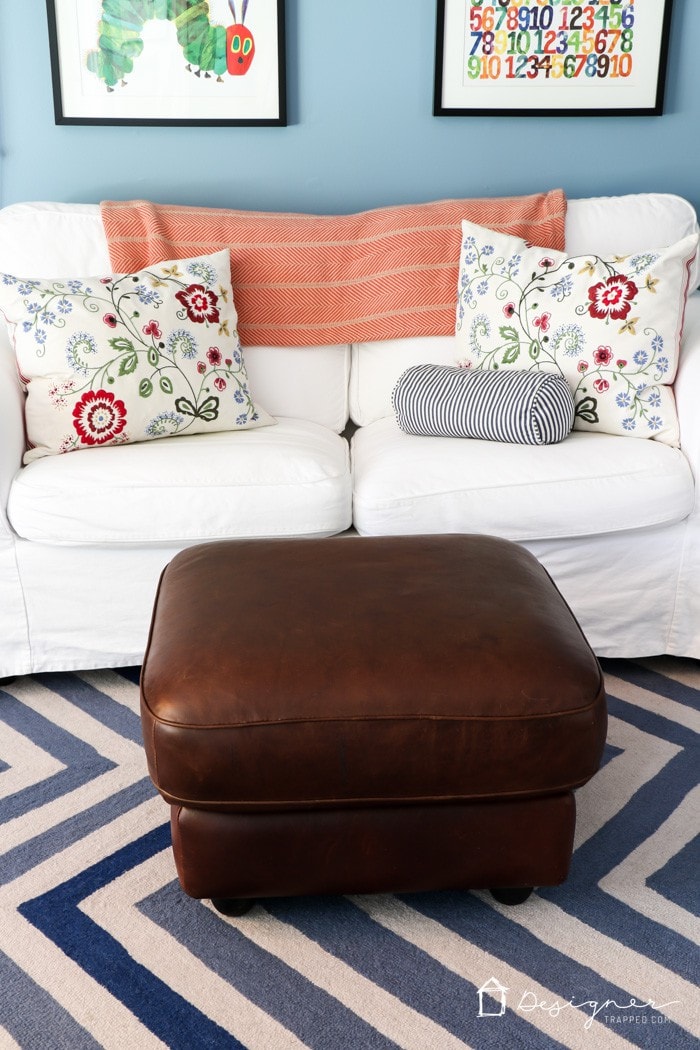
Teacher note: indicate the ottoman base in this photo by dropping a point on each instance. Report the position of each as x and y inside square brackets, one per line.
[489, 844]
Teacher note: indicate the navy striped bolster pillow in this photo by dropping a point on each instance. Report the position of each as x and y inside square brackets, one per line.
[527, 408]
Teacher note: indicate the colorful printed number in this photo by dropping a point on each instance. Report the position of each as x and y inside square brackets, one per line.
[550, 38]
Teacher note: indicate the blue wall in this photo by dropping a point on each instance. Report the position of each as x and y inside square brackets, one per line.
[361, 132]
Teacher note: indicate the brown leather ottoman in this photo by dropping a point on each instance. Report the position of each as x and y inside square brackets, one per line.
[358, 715]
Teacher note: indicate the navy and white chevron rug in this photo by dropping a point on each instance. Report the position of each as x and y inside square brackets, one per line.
[99, 948]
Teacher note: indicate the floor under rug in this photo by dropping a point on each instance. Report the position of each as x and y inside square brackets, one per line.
[100, 948]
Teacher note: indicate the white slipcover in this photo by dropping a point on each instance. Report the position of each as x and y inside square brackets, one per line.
[84, 537]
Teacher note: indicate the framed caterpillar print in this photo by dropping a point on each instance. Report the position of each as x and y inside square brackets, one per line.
[210, 62]
[551, 57]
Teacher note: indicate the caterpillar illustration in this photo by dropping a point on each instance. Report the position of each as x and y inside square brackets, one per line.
[210, 48]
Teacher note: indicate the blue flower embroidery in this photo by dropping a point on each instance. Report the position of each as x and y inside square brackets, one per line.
[165, 423]
[570, 339]
[80, 343]
[513, 265]
[641, 262]
[205, 273]
[183, 341]
[470, 253]
[27, 287]
[561, 289]
[148, 296]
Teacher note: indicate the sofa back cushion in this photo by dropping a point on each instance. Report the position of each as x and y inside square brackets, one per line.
[630, 223]
[56, 240]
[606, 225]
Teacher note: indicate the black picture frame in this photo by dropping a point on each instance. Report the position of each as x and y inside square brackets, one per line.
[529, 69]
[168, 87]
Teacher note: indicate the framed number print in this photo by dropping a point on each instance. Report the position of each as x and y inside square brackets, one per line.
[551, 57]
[167, 61]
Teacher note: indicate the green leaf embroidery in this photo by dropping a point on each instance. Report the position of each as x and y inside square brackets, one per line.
[121, 344]
[208, 410]
[586, 409]
[534, 349]
[145, 388]
[153, 357]
[128, 363]
[512, 351]
[509, 333]
[186, 407]
[166, 384]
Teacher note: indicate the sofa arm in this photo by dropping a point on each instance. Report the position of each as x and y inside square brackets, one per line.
[11, 425]
[687, 389]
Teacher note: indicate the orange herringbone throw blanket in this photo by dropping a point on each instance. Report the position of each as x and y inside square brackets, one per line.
[313, 280]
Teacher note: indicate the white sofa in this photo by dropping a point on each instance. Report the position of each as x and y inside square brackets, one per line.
[83, 538]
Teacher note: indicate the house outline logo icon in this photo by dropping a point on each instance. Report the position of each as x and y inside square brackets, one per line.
[492, 998]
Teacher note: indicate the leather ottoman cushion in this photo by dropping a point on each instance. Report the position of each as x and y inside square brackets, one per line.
[288, 674]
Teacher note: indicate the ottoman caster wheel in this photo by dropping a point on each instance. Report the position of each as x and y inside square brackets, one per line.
[233, 905]
[507, 895]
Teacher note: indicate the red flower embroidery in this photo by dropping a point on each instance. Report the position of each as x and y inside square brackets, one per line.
[601, 385]
[621, 363]
[220, 383]
[542, 322]
[603, 355]
[201, 367]
[582, 366]
[214, 355]
[509, 309]
[111, 320]
[98, 417]
[612, 297]
[199, 303]
[152, 328]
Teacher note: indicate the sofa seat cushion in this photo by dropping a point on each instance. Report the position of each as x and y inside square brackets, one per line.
[287, 480]
[586, 485]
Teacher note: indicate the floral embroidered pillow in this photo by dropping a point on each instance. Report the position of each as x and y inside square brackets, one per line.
[126, 358]
[610, 326]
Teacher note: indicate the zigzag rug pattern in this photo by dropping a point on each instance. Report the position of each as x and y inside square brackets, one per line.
[100, 948]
